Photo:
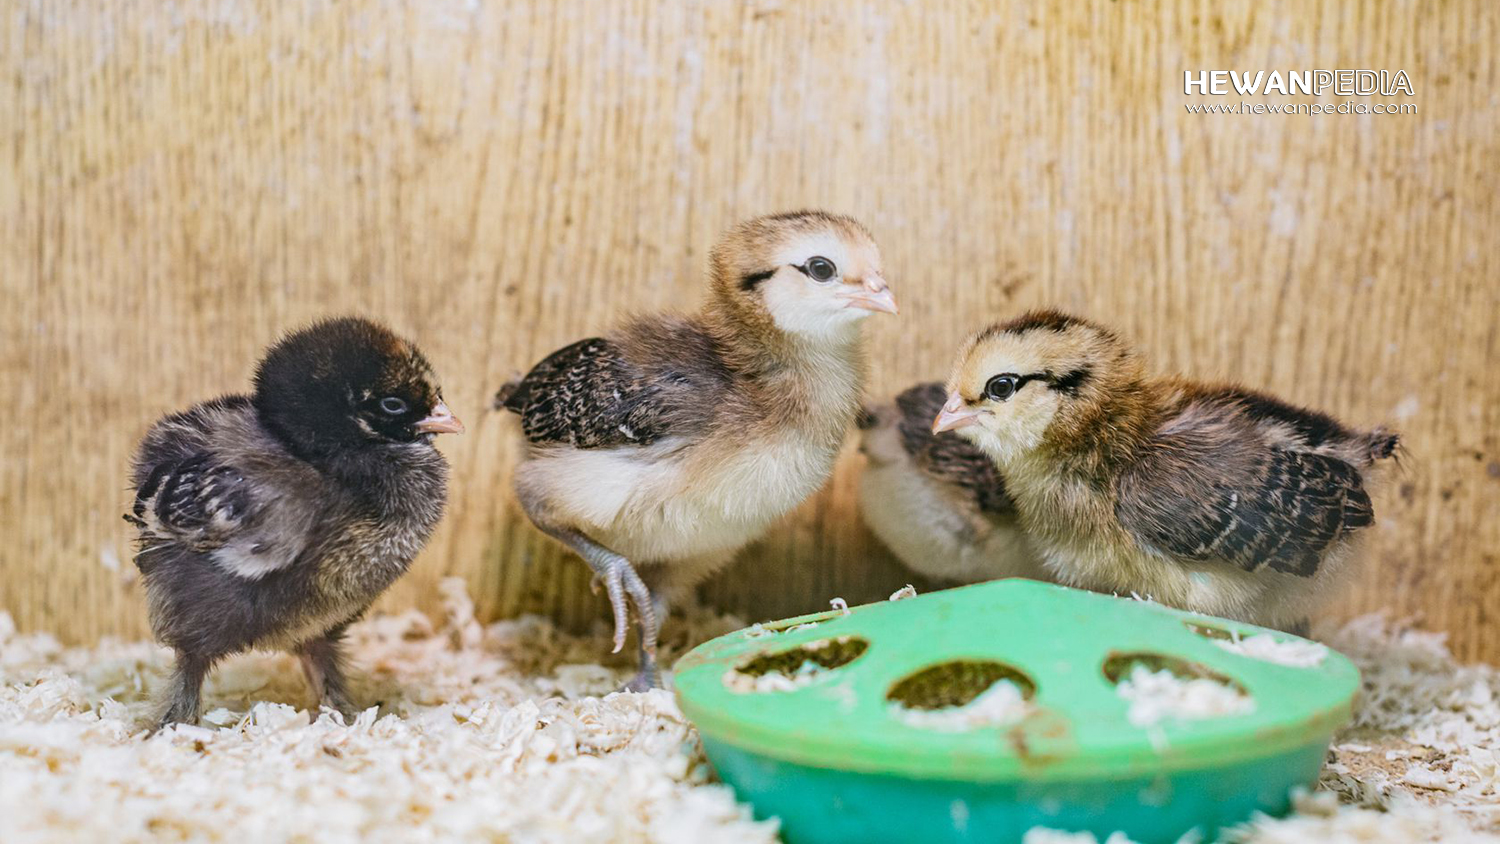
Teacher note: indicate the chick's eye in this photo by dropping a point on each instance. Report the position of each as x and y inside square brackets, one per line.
[392, 405]
[1001, 387]
[820, 269]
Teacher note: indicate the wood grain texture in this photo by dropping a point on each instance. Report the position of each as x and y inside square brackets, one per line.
[181, 182]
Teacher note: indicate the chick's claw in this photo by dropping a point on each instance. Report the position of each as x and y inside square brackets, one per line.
[625, 586]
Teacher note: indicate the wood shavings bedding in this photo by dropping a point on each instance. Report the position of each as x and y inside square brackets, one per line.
[907, 591]
[510, 732]
[1426, 728]
[499, 733]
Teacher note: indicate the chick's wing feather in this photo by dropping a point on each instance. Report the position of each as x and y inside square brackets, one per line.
[210, 480]
[197, 500]
[662, 377]
[587, 395]
[946, 456]
[1208, 489]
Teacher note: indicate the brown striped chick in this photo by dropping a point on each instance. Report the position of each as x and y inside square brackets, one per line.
[1206, 497]
[936, 500]
[673, 441]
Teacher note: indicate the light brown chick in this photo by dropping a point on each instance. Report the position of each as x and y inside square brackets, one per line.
[936, 500]
[1206, 497]
[672, 442]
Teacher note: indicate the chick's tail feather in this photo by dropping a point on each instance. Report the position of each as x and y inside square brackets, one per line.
[508, 397]
[1385, 444]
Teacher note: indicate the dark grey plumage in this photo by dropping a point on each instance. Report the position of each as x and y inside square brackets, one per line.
[272, 521]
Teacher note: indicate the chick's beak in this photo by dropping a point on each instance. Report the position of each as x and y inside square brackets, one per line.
[955, 414]
[440, 421]
[872, 295]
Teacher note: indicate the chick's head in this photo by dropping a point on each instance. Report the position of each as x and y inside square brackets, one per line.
[1017, 384]
[349, 383]
[806, 273]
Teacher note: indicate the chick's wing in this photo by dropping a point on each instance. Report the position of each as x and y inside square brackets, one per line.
[1210, 490]
[210, 481]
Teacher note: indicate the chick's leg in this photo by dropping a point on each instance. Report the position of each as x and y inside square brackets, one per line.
[323, 664]
[613, 570]
[672, 583]
[622, 585]
[184, 696]
[649, 675]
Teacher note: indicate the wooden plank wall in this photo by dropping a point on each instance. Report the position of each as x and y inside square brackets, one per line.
[181, 182]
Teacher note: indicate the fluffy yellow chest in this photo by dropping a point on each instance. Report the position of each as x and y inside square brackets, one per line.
[674, 502]
[1073, 526]
[1059, 508]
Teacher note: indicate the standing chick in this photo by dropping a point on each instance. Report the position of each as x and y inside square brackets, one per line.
[1206, 497]
[936, 500]
[672, 442]
[273, 520]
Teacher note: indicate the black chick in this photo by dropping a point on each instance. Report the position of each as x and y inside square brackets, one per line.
[272, 521]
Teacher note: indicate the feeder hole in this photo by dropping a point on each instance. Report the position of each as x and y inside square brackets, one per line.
[1208, 631]
[1161, 688]
[956, 683]
[1118, 667]
[826, 654]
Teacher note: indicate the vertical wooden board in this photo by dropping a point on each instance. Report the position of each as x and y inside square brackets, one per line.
[497, 179]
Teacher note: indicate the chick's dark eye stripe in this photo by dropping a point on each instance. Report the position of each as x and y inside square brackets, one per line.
[748, 282]
[1068, 382]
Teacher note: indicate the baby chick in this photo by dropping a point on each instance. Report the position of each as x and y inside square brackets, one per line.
[273, 520]
[936, 500]
[672, 442]
[1206, 497]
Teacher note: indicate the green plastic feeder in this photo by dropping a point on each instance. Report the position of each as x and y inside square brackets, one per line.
[827, 750]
